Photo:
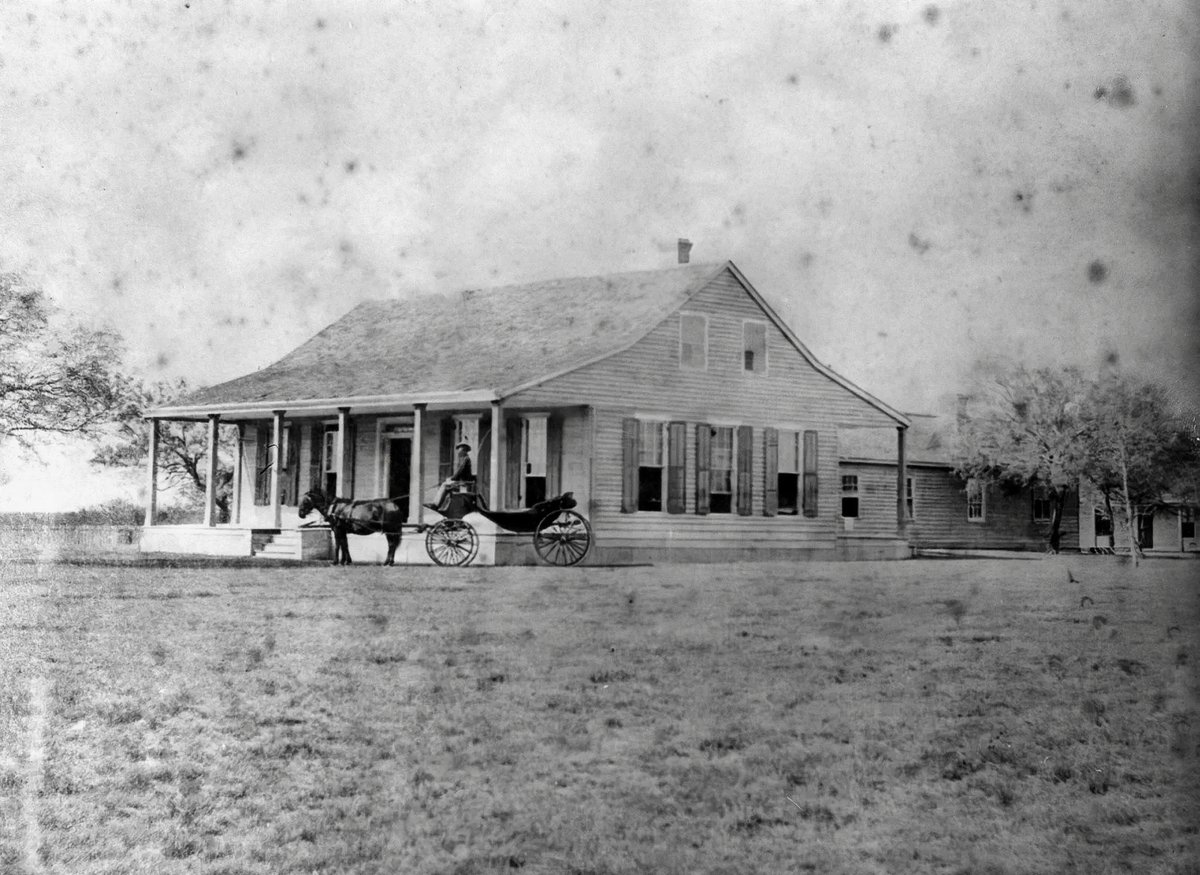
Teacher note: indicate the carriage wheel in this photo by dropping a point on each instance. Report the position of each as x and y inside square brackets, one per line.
[562, 538]
[451, 542]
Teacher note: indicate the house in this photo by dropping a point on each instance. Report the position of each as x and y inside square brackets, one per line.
[1166, 527]
[944, 511]
[687, 418]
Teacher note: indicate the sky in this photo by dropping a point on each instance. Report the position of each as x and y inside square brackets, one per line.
[915, 185]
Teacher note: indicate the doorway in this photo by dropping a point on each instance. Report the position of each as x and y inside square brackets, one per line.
[399, 466]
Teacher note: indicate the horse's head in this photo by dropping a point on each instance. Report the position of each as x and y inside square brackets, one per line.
[314, 499]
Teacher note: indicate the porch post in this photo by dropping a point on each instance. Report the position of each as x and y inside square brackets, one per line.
[345, 450]
[239, 459]
[901, 484]
[152, 479]
[496, 463]
[276, 458]
[416, 470]
[210, 473]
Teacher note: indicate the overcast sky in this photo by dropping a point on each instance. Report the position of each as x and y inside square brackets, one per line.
[915, 184]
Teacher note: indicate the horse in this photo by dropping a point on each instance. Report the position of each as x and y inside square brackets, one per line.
[369, 517]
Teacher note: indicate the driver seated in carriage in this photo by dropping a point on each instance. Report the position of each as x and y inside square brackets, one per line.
[461, 476]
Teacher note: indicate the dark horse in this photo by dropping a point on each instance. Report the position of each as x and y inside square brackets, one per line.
[369, 517]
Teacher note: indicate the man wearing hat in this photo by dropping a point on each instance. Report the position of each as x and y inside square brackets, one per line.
[462, 474]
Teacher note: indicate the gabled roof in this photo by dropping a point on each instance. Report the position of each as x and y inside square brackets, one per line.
[930, 441]
[474, 346]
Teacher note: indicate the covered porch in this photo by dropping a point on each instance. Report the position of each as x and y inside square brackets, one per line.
[399, 447]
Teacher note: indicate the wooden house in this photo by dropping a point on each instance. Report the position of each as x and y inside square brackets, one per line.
[943, 511]
[690, 422]
[1166, 527]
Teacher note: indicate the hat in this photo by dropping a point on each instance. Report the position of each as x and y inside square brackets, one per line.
[461, 446]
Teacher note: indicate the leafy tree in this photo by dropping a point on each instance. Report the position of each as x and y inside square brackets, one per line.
[55, 377]
[1140, 451]
[1027, 429]
[182, 446]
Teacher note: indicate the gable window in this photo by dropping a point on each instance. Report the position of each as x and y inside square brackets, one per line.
[650, 465]
[1043, 505]
[810, 473]
[1187, 523]
[976, 503]
[850, 496]
[754, 346]
[910, 497]
[720, 471]
[534, 447]
[693, 341]
[788, 478]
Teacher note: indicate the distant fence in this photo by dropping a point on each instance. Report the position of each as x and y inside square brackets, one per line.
[54, 542]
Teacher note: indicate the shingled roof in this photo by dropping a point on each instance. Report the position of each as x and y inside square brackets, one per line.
[477, 343]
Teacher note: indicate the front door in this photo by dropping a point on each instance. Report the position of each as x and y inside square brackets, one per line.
[1145, 529]
[399, 466]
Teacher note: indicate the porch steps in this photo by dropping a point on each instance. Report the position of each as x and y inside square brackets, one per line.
[277, 545]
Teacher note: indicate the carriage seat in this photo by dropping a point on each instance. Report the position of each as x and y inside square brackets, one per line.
[467, 485]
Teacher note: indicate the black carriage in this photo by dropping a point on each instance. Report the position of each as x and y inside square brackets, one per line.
[561, 536]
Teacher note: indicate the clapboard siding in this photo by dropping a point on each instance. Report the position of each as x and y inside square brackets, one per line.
[940, 512]
[647, 381]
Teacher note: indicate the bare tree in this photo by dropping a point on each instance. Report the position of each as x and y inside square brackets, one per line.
[55, 377]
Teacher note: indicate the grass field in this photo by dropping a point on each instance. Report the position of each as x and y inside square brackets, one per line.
[924, 716]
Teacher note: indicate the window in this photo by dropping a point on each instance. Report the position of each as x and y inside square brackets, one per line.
[720, 471]
[535, 445]
[1187, 523]
[466, 431]
[1043, 505]
[650, 465]
[693, 341]
[1145, 528]
[975, 501]
[1102, 522]
[329, 460]
[754, 345]
[788, 478]
[910, 492]
[810, 473]
[850, 495]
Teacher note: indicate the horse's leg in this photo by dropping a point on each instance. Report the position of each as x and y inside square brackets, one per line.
[393, 539]
[346, 548]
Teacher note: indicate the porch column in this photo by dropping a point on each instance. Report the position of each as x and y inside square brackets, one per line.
[345, 454]
[152, 479]
[210, 473]
[496, 463]
[276, 459]
[416, 470]
[239, 459]
[901, 484]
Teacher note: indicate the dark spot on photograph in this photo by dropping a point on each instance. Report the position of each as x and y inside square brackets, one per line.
[920, 245]
[886, 32]
[1097, 272]
[931, 14]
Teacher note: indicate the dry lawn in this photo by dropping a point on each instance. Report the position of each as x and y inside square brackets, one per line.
[924, 716]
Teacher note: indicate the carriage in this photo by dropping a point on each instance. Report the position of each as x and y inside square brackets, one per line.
[561, 536]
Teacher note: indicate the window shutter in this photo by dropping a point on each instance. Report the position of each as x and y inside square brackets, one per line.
[262, 466]
[514, 462]
[629, 464]
[481, 464]
[703, 451]
[770, 471]
[554, 445]
[676, 466]
[346, 482]
[317, 438]
[446, 450]
[810, 473]
[289, 477]
[745, 461]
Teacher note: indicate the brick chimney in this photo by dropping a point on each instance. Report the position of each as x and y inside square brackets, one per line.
[685, 249]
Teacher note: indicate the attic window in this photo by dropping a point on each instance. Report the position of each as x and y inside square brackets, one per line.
[754, 344]
[693, 341]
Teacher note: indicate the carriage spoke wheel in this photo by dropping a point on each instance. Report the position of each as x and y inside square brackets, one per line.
[562, 538]
[451, 542]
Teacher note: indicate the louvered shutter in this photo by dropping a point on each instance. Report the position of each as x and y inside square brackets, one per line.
[446, 449]
[745, 461]
[676, 466]
[316, 435]
[514, 462]
[554, 448]
[350, 448]
[629, 465]
[770, 471]
[481, 465]
[703, 452]
[810, 473]
[289, 477]
[262, 466]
